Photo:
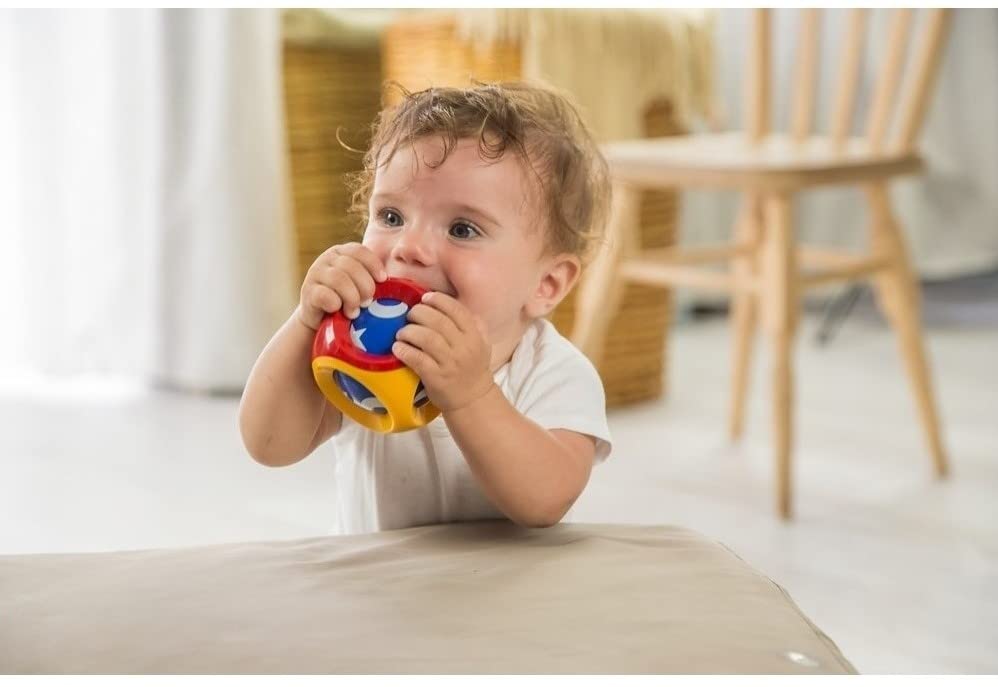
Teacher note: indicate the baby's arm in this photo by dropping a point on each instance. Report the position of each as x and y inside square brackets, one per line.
[531, 474]
[283, 415]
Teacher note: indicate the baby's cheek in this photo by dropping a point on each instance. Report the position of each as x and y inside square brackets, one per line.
[499, 312]
[485, 289]
[377, 245]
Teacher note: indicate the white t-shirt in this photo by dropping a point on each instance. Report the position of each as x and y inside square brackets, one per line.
[419, 477]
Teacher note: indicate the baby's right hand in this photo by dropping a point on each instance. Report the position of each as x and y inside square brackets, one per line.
[342, 278]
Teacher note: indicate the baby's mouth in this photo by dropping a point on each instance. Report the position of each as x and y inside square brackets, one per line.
[429, 285]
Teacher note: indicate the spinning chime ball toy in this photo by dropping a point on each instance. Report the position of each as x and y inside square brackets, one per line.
[353, 364]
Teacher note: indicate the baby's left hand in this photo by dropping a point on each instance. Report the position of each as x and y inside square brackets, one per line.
[445, 345]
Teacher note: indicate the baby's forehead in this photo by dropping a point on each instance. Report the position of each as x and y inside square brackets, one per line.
[460, 169]
[428, 154]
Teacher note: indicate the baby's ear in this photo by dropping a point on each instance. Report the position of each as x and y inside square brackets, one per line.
[559, 276]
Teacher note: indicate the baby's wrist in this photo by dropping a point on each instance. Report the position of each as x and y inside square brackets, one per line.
[472, 403]
[301, 319]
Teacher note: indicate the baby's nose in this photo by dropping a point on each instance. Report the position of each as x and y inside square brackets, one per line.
[415, 247]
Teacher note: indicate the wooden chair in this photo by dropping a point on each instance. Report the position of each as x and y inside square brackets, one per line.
[768, 270]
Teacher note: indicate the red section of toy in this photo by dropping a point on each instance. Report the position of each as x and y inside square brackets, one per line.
[334, 337]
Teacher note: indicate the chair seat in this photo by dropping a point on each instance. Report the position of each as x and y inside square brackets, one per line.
[729, 160]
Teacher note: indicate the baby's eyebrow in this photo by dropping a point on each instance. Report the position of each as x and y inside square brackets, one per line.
[462, 208]
[387, 197]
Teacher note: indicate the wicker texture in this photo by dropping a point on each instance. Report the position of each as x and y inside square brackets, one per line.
[328, 88]
[423, 52]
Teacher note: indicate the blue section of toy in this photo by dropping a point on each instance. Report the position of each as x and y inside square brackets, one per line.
[374, 330]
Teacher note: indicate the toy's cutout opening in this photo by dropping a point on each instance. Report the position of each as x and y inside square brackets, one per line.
[358, 393]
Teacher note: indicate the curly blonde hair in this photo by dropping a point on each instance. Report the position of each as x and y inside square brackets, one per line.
[540, 125]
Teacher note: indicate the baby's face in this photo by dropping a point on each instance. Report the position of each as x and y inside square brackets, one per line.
[468, 228]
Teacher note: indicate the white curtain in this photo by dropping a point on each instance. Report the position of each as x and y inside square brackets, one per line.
[950, 214]
[144, 230]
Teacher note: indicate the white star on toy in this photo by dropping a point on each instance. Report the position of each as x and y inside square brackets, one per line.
[355, 335]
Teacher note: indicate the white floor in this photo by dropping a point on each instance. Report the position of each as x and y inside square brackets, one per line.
[899, 569]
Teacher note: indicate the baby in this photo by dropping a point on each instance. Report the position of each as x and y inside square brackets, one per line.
[490, 197]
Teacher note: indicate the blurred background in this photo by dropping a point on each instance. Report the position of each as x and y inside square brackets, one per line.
[166, 177]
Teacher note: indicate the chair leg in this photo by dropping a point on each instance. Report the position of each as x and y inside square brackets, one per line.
[743, 314]
[900, 299]
[602, 289]
[780, 305]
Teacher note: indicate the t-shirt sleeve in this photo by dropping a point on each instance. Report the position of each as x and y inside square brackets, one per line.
[564, 391]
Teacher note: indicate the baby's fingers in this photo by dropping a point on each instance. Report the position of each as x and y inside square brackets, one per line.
[317, 300]
[362, 254]
[351, 296]
[325, 298]
[427, 340]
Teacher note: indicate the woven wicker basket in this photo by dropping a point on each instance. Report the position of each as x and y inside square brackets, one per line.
[329, 87]
[426, 51]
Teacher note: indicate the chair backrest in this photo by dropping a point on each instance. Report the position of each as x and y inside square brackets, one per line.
[911, 106]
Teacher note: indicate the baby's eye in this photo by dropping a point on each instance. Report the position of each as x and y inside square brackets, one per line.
[463, 230]
[390, 217]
